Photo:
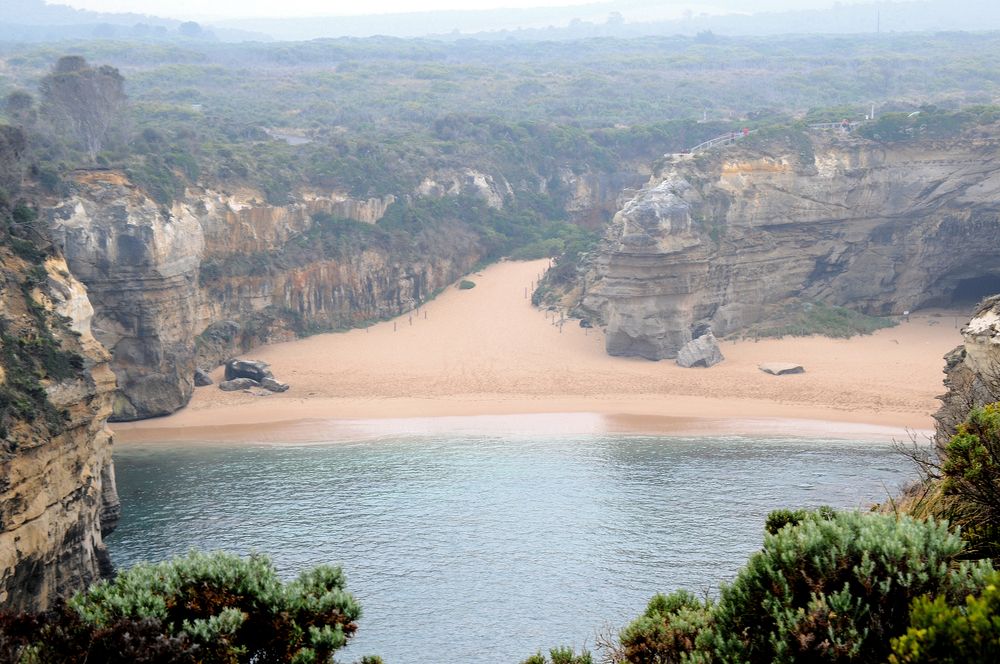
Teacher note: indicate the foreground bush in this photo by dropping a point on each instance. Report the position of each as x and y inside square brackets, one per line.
[560, 656]
[836, 590]
[666, 631]
[944, 634]
[60, 636]
[206, 608]
[971, 475]
[827, 587]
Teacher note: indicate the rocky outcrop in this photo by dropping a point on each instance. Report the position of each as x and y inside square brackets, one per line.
[469, 182]
[721, 239]
[141, 270]
[57, 487]
[972, 370]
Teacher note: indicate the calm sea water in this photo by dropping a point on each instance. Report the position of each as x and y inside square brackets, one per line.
[485, 549]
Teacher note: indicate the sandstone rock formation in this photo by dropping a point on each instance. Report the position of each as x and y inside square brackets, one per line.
[141, 271]
[57, 485]
[972, 370]
[721, 238]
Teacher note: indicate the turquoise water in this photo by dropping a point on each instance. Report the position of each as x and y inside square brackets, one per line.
[485, 549]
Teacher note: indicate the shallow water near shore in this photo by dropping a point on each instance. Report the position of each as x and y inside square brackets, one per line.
[487, 548]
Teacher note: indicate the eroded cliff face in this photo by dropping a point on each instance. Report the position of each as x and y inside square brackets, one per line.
[57, 488]
[972, 370]
[221, 272]
[718, 240]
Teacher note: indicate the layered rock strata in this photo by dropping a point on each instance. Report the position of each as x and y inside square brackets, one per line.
[57, 487]
[972, 370]
[719, 239]
[216, 274]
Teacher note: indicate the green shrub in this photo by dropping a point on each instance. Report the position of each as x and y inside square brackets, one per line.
[666, 632]
[560, 656]
[940, 633]
[971, 474]
[808, 318]
[836, 589]
[778, 519]
[465, 284]
[234, 607]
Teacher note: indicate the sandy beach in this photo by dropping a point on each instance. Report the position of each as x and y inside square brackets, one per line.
[486, 353]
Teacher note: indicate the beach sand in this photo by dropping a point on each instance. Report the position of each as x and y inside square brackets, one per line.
[487, 353]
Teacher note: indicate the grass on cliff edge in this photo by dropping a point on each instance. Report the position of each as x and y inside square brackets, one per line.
[809, 318]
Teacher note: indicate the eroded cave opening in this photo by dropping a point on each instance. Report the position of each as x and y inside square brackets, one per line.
[969, 292]
[964, 294]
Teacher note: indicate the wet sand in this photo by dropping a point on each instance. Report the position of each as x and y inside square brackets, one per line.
[486, 360]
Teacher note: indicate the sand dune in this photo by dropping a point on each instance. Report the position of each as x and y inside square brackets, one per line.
[487, 351]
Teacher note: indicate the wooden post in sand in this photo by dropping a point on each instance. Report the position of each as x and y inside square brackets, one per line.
[425, 314]
[411, 320]
[393, 326]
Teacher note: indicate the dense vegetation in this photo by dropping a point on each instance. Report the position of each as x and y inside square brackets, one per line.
[205, 608]
[376, 116]
[381, 116]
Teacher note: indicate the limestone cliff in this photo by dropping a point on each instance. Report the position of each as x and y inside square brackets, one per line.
[220, 272]
[57, 489]
[719, 239]
[972, 371]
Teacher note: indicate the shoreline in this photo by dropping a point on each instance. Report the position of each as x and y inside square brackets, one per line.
[333, 431]
[484, 358]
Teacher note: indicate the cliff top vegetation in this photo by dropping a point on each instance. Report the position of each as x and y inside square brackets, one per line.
[375, 116]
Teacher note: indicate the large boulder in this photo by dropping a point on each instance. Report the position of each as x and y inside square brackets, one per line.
[701, 352]
[251, 369]
[237, 384]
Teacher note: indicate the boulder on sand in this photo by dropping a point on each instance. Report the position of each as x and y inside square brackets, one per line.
[251, 369]
[781, 368]
[237, 384]
[274, 385]
[701, 352]
[201, 378]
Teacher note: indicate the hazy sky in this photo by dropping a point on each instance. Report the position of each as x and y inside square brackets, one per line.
[256, 8]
